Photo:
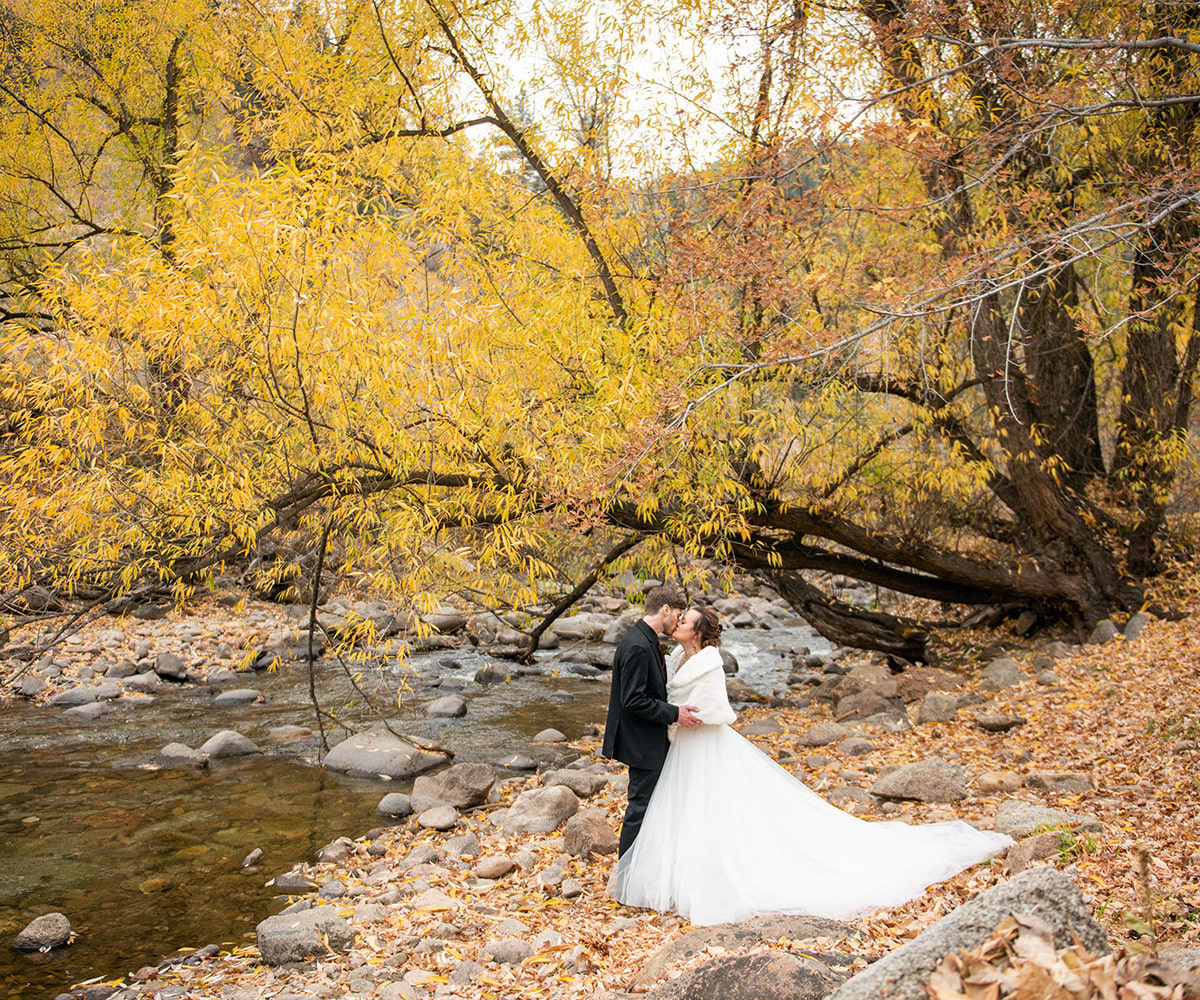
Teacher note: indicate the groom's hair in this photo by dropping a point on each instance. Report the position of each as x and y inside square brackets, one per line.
[664, 595]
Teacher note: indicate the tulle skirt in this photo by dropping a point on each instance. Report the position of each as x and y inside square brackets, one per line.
[729, 834]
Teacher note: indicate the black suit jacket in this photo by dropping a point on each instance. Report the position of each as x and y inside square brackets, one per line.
[638, 712]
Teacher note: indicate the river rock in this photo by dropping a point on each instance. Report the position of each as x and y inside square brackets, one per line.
[995, 722]
[373, 752]
[145, 682]
[253, 858]
[868, 703]
[1041, 893]
[1105, 631]
[739, 691]
[824, 733]
[1001, 673]
[936, 707]
[94, 710]
[492, 673]
[170, 666]
[550, 736]
[447, 621]
[31, 686]
[465, 845]
[493, 867]
[518, 762]
[50, 930]
[588, 833]
[331, 888]
[1018, 818]
[763, 727]
[236, 696]
[855, 746]
[540, 810]
[395, 804]
[180, 755]
[774, 974]
[228, 743]
[293, 882]
[295, 937]
[74, 697]
[288, 733]
[1133, 627]
[582, 783]
[932, 780]
[583, 627]
[729, 662]
[461, 786]
[507, 951]
[120, 670]
[438, 818]
[452, 706]
[1065, 783]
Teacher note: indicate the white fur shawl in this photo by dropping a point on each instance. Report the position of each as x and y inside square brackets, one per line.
[701, 682]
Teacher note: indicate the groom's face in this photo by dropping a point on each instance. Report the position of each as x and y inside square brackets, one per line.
[671, 619]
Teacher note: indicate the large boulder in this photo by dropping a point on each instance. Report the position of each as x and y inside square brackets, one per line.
[227, 743]
[584, 627]
[772, 974]
[1043, 893]
[50, 930]
[540, 810]
[374, 752]
[932, 780]
[295, 937]
[588, 833]
[461, 786]
[1018, 818]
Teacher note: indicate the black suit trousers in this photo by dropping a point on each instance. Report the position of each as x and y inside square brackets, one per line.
[641, 787]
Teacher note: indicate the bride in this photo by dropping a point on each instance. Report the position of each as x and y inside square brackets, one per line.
[729, 833]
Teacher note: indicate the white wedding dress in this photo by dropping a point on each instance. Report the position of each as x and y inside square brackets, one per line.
[729, 833]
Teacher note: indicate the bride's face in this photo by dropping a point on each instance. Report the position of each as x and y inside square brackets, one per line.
[686, 629]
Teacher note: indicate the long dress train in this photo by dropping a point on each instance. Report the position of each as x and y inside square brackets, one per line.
[729, 833]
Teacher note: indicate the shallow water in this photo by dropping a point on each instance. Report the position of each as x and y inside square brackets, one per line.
[146, 861]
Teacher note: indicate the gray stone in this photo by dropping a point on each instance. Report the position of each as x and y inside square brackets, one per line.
[582, 783]
[763, 727]
[296, 937]
[227, 743]
[447, 622]
[550, 736]
[466, 972]
[932, 780]
[1018, 818]
[1059, 650]
[1047, 678]
[331, 889]
[583, 627]
[588, 833]
[438, 818]
[571, 888]
[1065, 783]
[236, 696]
[1026, 622]
[850, 793]
[518, 762]
[540, 810]
[729, 662]
[395, 804]
[493, 867]
[1041, 893]
[461, 785]
[855, 746]
[121, 669]
[864, 704]
[1001, 673]
[937, 707]
[465, 845]
[994, 722]
[1105, 631]
[50, 930]
[372, 753]
[143, 682]
[293, 882]
[179, 755]
[1036, 848]
[492, 673]
[452, 706]
[170, 666]
[73, 697]
[1133, 627]
[507, 951]
[773, 974]
[95, 710]
[824, 733]
[32, 685]
[336, 849]
[253, 858]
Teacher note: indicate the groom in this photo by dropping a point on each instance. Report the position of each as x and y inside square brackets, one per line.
[638, 713]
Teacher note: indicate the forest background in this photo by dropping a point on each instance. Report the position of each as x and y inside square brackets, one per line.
[492, 299]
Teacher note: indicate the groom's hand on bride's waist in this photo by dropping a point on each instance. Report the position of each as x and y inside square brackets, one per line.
[688, 717]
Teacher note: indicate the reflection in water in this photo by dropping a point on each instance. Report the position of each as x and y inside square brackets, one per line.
[145, 861]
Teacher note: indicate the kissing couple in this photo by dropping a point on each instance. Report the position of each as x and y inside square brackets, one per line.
[715, 829]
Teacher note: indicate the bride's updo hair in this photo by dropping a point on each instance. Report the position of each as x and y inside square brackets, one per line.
[708, 626]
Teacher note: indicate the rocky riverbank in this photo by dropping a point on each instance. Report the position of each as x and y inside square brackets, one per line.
[495, 886]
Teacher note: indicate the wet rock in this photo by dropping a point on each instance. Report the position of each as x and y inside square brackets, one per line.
[228, 743]
[447, 621]
[180, 755]
[824, 733]
[236, 696]
[1041, 893]
[288, 733]
[253, 858]
[96, 710]
[1001, 673]
[588, 833]
[1019, 819]
[493, 673]
[540, 810]
[493, 867]
[372, 753]
[395, 804]
[295, 937]
[1065, 783]
[507, 951]
[994, 722]
[550, 736]
[932, 780]
[729, 662]
[292, 882]
[452, 706]
[461, 785]
[438, 818]
[335, 850]
[582, 783]
[936, 707]
[170, 666]
[50, 930]
[1105, 631]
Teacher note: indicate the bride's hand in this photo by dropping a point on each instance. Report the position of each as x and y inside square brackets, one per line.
[688, 717]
